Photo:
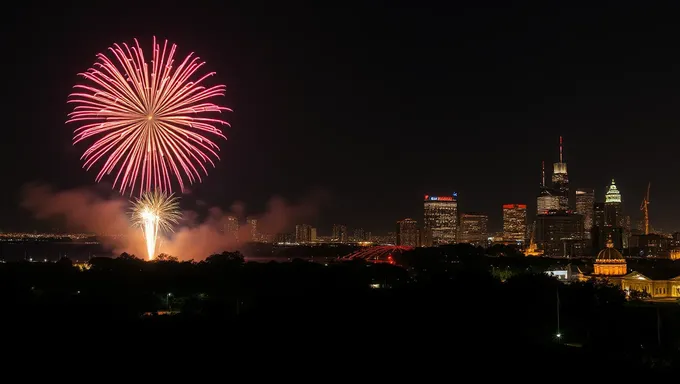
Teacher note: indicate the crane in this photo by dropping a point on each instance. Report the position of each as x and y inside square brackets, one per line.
[645, 209]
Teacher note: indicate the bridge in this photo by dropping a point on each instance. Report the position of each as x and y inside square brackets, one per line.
[378, 254]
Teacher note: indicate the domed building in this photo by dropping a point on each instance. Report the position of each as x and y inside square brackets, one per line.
[612, 266]
[610, 262]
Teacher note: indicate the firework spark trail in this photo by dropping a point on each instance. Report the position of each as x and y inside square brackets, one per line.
[147, 119]
[155, 212]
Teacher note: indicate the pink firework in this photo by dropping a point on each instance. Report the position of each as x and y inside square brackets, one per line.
[147, 120]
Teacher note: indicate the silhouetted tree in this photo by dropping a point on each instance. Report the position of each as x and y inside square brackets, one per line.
[166, 257]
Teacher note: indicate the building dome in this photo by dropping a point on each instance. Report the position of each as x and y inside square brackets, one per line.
[609, 253]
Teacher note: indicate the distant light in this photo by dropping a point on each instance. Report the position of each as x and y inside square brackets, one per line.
[559, 335]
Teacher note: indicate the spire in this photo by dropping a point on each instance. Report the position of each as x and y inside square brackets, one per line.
[560, 149]
[543, 174]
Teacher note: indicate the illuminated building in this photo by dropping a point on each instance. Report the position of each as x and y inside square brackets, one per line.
[441, 217]
[560, 233]
[425, 237]
[339, 233]
[515, 222]
[613, 207]
[585, 205]
[254, 234]
[612, 266]
[231, 227]
[598, 215]
[610, 262]
[546, 199]
[652, 245]
[303, 233]
[675, 254]
[359, 235]
[312, 235]
[560, 181]
[613, 211]
[473, 229]
[407, 233]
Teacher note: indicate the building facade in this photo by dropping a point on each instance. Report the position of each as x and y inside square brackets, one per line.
[585, 205]
[252, 224]
[560, 181]
[440, 215]
[515, 222]
[407, 233]
[231, 227]
[547, 200]
[613, 212]
[560, 233]
[303, 233]
[474, 229]
[339, 233]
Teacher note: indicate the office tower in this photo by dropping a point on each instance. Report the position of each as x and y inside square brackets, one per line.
[560, 181]
[515, 222]
[585, 205]
[231, 227]
[407, 233]
[339, 233]
[546, 199]
[560, 233]
[473, 229]
[613, 207]
[254, 234]
[613, 213]
[312, 236]
[359, 235]
[441, 218]
[425, 237]
[303, 233]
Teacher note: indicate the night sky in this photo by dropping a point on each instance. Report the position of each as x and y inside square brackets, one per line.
[376, 106]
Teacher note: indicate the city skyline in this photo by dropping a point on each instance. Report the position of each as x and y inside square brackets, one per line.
[373, 106]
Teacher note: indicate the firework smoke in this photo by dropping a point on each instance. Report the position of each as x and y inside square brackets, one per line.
[85, 210]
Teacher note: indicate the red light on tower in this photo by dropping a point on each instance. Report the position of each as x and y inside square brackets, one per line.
[514, 206]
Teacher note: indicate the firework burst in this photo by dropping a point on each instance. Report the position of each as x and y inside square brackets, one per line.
[147, 120]
[155, 212]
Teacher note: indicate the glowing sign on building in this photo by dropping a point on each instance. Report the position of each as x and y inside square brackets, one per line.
[441, 198]
[514, 206]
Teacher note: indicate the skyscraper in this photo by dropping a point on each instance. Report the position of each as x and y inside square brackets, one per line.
[303, 233]
[339, 233]
[560, 181]
[231, 227]
[254, 234]
[546, 200]
[613, 213]
[560, 233]
[613, 207]
[441, 218]
[359, 235]
[585, 206]
[515, 222]
[407, 233]
[473, 228]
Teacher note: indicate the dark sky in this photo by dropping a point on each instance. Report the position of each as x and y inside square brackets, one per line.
[375, 105]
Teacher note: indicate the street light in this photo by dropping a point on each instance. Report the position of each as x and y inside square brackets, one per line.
[167, 301]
